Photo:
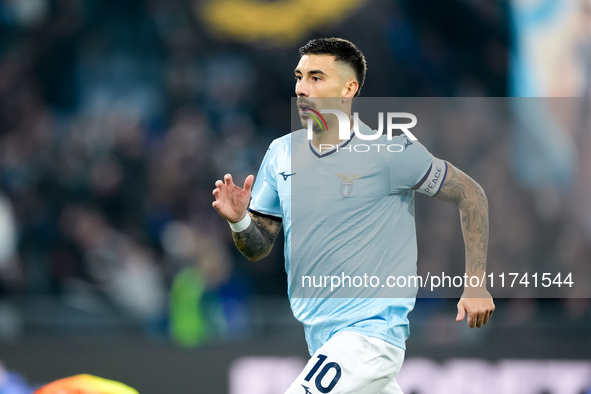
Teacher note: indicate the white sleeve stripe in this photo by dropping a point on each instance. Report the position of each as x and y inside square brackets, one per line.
[434, 179]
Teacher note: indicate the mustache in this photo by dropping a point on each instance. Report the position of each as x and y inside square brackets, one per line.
[305, 103]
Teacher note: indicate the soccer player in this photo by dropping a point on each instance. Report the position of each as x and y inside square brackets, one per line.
[349, 211]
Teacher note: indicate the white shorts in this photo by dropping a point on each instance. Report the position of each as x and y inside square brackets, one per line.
[351, 363]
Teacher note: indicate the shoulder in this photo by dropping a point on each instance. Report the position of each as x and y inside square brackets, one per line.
[411, 164]
[408, 148]
[287, 139]
[279, 145]
[398, 148]
[285, 142]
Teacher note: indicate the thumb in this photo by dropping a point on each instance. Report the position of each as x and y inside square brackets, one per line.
[248, 183]
[461, 312]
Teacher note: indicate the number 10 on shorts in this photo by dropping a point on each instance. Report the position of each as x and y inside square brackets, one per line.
[318, 381]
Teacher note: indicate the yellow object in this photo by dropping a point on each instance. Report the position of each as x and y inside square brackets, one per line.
[282, 21]
[85, 384]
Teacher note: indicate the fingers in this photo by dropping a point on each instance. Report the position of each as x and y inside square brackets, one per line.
[475, 319]
[216, 192]
[478, 315]
[461, 312]
[478, 319]
[248, 183]
[489, 315]
[228, 179]
[220, 184]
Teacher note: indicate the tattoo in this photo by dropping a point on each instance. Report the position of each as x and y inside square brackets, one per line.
[471, 200]
[478, 264]
[257, 240]
[453, 189]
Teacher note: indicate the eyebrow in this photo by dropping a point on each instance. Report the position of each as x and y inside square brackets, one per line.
[311, 72]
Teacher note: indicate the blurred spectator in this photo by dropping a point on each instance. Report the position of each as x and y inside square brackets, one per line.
[207, 301]
[123, 270]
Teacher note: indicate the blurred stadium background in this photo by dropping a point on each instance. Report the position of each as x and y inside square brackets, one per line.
[117, 117]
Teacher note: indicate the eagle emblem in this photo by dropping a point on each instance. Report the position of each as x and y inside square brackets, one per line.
[347, 183]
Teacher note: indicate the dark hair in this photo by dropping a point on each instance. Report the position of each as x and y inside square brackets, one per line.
[344, 51]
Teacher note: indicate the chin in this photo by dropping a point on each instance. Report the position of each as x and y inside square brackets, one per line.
[304, 122]
[315, 128]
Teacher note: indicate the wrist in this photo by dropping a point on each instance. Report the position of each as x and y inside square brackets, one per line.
[241, 225]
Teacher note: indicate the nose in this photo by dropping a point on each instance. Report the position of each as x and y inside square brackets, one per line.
[301, 89]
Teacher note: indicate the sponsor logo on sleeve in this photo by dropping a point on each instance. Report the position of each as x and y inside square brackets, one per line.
[285, 176]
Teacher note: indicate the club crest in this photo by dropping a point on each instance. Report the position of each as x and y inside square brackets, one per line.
[347, 183]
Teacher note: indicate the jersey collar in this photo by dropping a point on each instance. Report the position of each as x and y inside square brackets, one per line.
[363, 128]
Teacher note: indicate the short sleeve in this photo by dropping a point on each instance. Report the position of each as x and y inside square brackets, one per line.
[265, 199]
[414, 167]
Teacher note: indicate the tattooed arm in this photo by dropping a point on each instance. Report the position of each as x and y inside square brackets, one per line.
[257, 240]
[471, 200]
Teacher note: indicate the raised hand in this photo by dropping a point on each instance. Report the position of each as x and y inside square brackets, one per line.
[232, 201]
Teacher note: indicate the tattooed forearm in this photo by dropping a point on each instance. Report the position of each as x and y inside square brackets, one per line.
[471, 200]
[257, 240]
[478, 265]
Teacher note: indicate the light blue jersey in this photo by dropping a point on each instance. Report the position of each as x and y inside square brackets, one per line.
[347, 210]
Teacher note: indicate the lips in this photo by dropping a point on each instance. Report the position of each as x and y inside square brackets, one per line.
[306, 108]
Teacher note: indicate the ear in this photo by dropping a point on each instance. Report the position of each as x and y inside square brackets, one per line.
[350, 88]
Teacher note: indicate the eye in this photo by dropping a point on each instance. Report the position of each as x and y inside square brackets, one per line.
[298, 77]
[316, 79]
